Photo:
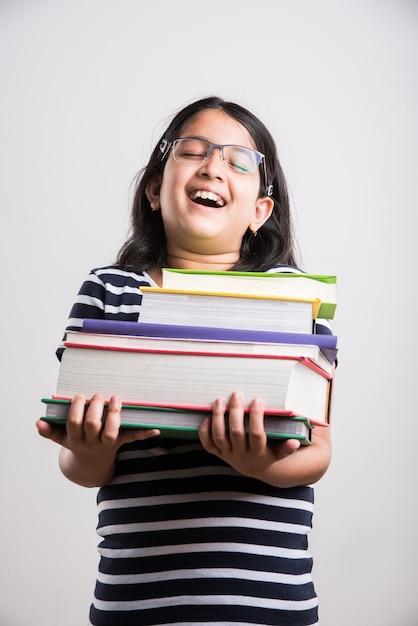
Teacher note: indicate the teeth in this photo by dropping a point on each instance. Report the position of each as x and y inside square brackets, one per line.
[208, 195]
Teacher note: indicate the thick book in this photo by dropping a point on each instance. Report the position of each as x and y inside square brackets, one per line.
[183, 378]
[184, 424]
[199, 346]
[284, 284]
[228, 310]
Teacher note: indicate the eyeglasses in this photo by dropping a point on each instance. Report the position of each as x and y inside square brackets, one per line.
[240, 159]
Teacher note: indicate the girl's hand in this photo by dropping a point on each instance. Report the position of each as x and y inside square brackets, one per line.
[250, 453]
[90, 440]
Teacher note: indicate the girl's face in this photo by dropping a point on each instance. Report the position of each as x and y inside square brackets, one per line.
[214, 227]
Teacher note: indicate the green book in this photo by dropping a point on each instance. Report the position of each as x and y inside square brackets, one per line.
[281, 284]
[182, 423]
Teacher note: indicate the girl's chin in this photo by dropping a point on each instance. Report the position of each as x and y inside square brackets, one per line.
[201, 208]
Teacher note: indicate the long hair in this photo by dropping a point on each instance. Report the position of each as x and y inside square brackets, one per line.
[274, 243]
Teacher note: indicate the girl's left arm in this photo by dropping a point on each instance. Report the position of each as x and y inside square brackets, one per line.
[284, 464]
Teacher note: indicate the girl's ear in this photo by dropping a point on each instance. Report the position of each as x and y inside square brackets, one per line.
[263, 210]
[152, 191]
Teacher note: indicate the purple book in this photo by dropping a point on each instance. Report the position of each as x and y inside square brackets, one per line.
[326, 342]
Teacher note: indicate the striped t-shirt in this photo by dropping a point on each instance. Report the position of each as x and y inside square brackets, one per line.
[186, 539]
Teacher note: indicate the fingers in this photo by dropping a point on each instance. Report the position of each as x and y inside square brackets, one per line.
[256, 434]
[219, 431]
[222, 433]
[212, 431]
[239, 431]
[99, 423]
[111, 431]
[111, 423]
[90, 422]
[236, 417]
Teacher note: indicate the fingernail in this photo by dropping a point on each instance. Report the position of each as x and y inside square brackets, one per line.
[116, 402]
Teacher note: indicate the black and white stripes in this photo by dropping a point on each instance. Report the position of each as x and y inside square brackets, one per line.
[186, 540]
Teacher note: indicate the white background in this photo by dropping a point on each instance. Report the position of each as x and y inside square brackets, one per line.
[86, 87]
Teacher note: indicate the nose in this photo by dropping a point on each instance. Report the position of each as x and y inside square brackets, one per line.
[213, 166]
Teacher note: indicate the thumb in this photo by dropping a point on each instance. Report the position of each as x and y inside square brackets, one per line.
[135, 433]
[54, 432]
[290, 446]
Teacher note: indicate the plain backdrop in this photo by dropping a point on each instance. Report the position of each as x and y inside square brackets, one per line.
[86, 88]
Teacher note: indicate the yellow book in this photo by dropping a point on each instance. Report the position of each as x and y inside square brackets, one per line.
[228, 310]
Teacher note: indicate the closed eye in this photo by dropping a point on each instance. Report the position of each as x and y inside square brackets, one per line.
[192, 155]
[239, 167]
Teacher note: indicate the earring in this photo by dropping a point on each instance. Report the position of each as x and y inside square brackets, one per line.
[155, 206]
[254, 232]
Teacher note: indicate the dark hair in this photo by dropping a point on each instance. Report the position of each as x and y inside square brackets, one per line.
[274, 243]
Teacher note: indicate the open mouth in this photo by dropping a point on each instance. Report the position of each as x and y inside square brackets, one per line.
[207, 198]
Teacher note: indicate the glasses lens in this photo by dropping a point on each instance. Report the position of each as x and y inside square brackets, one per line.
[190, 150]
[241, 159]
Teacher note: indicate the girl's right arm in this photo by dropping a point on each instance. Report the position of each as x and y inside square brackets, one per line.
[89, 443]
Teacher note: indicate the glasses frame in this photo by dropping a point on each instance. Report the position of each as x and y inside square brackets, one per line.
[166, 145]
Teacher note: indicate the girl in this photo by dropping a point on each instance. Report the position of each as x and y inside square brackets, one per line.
[209, 532]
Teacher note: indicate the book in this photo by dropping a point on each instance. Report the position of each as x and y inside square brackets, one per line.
[326, 342]
[292, 385]
[284, 284]
[228, 310]
[177, 423]
[191, 345]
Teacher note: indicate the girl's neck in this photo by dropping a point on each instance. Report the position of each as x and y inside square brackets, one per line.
[217, 263]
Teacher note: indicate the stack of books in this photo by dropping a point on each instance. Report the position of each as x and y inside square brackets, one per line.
[202, 336]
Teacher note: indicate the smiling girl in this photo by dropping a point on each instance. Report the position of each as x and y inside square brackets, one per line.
[215, 531]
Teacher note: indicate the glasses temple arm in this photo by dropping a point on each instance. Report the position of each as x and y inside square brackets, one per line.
[165, 146]
[268, 188]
